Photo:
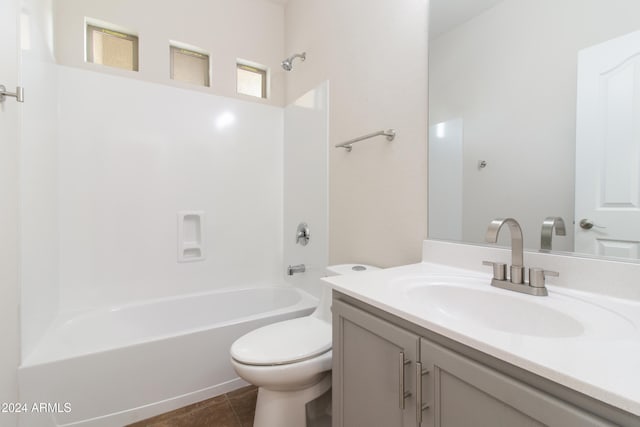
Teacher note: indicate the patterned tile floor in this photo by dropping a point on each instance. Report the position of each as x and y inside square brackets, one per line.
[234, 409]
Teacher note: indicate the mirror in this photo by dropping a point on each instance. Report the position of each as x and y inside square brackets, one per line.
[534, 112]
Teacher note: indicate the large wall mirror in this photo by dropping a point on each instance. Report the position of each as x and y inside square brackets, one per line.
[534, 113]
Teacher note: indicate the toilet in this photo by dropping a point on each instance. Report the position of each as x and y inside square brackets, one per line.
[290, 361]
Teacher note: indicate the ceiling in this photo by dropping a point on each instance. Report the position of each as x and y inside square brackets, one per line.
[449, 13]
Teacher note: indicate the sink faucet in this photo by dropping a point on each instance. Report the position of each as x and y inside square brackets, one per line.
[517, 264]
[536, 285]
[548, 225]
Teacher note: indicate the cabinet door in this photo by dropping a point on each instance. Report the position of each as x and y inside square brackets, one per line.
[462, 393]
[373, 371]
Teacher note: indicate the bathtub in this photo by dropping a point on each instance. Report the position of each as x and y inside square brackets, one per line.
[114, 366]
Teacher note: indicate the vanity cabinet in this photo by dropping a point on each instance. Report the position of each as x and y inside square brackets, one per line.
[461, 392]
[372, 363]
[382, 372]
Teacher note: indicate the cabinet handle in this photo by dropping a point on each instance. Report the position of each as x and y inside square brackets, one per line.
[402, 395]
[420, 407]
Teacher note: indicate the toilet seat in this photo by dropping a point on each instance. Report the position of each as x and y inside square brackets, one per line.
[283, 343]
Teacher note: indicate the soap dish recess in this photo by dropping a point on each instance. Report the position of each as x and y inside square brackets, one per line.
[190, 236]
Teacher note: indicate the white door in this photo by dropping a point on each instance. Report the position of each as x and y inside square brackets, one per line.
[608, 149]
[10, 116]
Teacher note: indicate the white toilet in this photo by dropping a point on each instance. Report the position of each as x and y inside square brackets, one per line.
[290, 361]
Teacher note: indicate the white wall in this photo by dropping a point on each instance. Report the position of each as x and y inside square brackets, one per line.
[306, 185]
[374, 55]
[10, 116]
[38, 174]
[133, 154]
[227, 29]
[510, 73]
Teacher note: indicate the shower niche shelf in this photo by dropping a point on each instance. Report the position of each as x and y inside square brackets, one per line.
[190, 236]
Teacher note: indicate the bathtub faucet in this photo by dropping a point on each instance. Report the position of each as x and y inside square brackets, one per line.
[293, 269]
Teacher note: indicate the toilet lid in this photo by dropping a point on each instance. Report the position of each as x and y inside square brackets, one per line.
[283, 342]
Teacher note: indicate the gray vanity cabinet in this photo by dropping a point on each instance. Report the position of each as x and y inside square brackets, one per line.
[373, 362]
[461, 392]
[377, 367]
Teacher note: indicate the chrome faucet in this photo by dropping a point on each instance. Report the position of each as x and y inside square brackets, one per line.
[293, 269]
[517, 245]
[548, 225]
[536, 285]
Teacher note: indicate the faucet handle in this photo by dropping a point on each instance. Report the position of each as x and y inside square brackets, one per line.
[499, 269]
[537, 276]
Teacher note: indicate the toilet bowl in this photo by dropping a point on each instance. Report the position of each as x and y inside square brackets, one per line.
[290, 361]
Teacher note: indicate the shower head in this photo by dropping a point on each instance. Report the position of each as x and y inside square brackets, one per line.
[287, 64]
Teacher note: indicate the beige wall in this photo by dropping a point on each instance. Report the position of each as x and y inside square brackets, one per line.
[373, 52]
[10, 115]
[252, 30]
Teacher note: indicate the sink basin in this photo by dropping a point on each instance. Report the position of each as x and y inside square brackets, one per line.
[472, 302]
[496, 311]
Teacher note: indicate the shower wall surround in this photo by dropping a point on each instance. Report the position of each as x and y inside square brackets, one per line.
[39, 242]
[132, 155]
[94, 138]
[306, 170]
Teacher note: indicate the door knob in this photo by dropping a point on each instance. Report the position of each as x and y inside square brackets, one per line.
[587, 224]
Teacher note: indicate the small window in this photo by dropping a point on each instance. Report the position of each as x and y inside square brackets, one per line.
[189, 66]
[252, 81]
[112, 48]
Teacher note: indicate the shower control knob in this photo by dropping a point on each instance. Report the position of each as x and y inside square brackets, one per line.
[303, 235]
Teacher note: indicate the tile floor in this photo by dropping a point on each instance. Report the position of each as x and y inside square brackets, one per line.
[234, 409]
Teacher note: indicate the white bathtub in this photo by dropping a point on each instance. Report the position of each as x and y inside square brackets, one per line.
[111, 367]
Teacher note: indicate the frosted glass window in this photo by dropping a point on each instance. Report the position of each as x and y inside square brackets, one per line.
[252, 81]
[112, 48]
[189, 66]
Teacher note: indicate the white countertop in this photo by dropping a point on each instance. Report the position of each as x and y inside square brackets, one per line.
[602, 362]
